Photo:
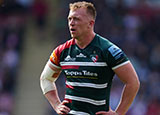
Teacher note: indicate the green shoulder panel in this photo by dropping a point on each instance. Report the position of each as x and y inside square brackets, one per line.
[113, 54]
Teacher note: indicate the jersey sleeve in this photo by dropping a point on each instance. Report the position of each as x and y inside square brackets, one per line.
[55, 57]
[116, 57]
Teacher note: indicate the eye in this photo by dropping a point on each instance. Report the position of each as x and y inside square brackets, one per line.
[69, 19]
[76, 18]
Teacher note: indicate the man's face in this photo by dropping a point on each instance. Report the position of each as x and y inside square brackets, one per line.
[78, 22]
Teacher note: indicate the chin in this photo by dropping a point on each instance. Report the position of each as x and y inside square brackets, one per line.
[73, 36]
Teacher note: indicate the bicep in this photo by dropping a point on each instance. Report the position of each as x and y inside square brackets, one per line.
[126, 73]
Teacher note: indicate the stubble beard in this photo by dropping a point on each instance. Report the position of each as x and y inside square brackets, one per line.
[75, 37]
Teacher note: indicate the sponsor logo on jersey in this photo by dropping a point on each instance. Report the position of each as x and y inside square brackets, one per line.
[68, 58]
[53, 58]
[81, 55]
[115, 52]
[83, 72]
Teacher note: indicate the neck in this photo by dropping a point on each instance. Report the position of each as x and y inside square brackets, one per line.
[85, 40]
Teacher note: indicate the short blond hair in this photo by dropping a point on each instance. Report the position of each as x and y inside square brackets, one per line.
[91, 10]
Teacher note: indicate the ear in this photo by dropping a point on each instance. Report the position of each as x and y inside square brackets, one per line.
[91, 23]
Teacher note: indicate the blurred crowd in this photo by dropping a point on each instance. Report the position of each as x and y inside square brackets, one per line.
[13, 17]
[11, 39]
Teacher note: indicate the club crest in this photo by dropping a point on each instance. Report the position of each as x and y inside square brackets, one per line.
[94, 58]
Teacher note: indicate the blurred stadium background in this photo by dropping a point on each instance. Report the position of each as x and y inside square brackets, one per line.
[31, 29]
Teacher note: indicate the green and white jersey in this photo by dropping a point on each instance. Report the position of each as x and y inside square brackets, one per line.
[89, 73]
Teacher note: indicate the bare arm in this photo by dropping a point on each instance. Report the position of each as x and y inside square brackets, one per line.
[47, 81]
[128, 76]
[53, 98]
[58, 106]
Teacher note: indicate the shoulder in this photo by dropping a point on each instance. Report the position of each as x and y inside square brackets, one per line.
[55, 55]
[64, 46]
[107, 46]
[103, 43]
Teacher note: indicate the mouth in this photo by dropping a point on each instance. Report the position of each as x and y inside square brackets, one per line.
[72, 30]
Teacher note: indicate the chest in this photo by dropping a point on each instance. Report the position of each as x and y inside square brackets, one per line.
[75, 54]
[86, 63]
